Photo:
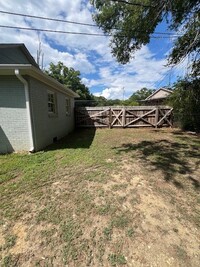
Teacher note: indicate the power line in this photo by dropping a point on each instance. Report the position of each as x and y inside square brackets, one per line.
[74, 22]
[70, 32]
[52, 31]
[47, 18]
[168, 73]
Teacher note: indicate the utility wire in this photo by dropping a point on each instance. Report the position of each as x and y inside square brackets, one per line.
[53, 31]
[47, 18]
[72, 22]
[70, 32]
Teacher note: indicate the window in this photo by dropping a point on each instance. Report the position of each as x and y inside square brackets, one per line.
[51, 102]
[68, 106]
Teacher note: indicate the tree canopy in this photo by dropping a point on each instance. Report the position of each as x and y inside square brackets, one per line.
[133, 100]
[186, 102]
[141, 94]
[70, 78]
[131, 24]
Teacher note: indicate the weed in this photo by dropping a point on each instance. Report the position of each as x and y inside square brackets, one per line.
[120, 221]
[100, 177]
[48, 235]
[84, 201]
[7, 261]
[117, 187]
[116, 259]
[181, 253]
[10, 241]
[130, 232]
[101, 250]
[135, 200]
[122, 199]
[71, 231]
[101, 192]
[49, 214]
[93, 233]
[107, 231]
[104, 209]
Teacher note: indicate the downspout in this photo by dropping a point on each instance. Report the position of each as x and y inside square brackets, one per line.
[30, 129]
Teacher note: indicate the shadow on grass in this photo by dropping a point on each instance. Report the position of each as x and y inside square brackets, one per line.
[189, 138]
[80, 138]
[172, 158]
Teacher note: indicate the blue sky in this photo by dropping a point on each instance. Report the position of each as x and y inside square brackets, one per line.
[89, 54]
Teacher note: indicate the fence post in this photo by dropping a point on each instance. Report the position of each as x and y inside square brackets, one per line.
[156, 117]
[123, 117]
[110, 118]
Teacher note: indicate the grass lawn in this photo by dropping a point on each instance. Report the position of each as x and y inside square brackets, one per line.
[120, 197]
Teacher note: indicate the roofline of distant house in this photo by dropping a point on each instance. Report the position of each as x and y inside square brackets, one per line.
[28, 69]
[162, 88]
[146, 100]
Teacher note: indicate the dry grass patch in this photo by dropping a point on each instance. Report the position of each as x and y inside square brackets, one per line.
[105, 198]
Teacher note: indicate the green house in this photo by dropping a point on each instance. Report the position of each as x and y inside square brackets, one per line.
[35, 110]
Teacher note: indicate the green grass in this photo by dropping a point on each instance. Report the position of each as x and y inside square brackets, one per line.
[120, 221]
[116, 260]
[93, 198]
[7, 261]
[10, 241]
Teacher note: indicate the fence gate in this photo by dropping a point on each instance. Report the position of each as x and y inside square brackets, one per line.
[124, 117]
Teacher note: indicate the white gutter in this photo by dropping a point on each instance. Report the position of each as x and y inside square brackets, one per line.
[30, 129]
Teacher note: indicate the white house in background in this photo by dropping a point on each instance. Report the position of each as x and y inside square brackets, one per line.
[35, 110]
[158, 97]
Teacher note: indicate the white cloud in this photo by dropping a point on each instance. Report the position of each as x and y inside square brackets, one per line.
[143, 71]
[90, 82]
[91, 55]
[111, 93]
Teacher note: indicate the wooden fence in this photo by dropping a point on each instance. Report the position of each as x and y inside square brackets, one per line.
[124, 117]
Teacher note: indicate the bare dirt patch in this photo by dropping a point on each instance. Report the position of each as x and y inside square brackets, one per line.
[130, 198]
[21, 245]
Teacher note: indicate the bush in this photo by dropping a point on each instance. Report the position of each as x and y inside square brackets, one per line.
[186, 103]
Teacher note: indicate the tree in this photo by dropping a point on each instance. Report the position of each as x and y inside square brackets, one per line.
[133, 100]
[70, 78]
[136, 97]
[186, 103]
[131, 24]
[141, 94]
[100, 101]
[114, 102]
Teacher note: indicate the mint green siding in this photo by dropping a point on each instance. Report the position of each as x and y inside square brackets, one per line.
[14, 135]
[14, 131]
[46, 127]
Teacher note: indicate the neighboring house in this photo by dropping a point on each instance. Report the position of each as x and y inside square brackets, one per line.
[35, 110]
[157, 98]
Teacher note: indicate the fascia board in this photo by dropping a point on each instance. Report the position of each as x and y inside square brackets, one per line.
[27, 69]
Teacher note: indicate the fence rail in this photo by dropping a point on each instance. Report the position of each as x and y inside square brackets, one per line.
[124, 117]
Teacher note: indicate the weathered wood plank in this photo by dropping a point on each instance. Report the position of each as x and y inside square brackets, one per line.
[116, 117]
[141, 118]
[130, 117]
[165, 117]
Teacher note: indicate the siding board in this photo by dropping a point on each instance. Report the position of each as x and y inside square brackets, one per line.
[14, 135]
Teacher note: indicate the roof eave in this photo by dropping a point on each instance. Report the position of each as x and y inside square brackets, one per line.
[52, 82]
[154, 99]
[27, 69]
